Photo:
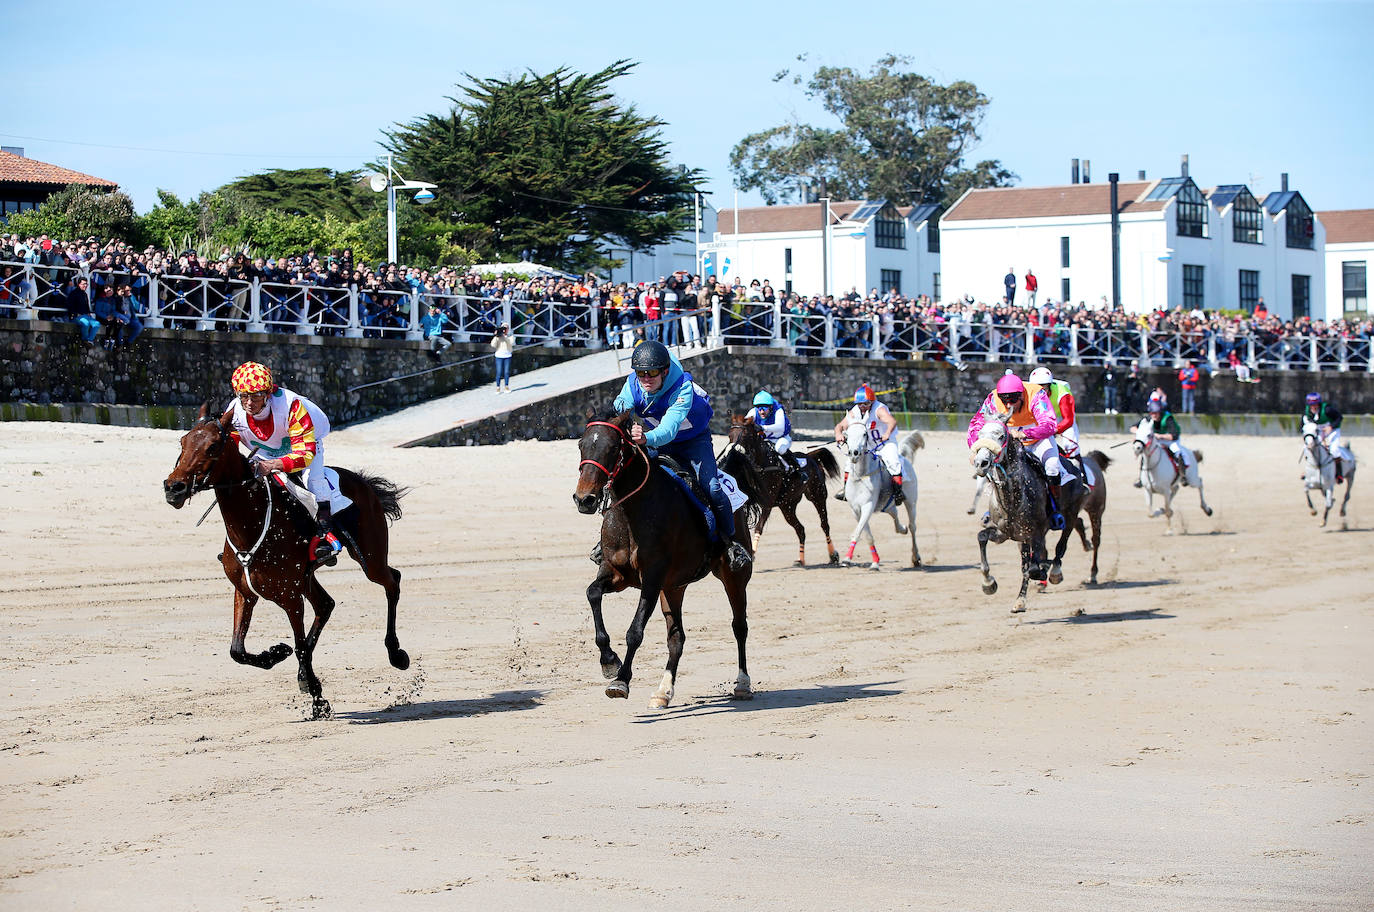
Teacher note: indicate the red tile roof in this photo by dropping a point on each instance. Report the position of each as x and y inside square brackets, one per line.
[20, 170]
[767, 219]
[1348, 226]
[1038, 202]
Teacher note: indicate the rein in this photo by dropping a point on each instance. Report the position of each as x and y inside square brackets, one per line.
[620, 463]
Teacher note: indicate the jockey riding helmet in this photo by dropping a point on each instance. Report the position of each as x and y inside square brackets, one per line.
[863, 394]
[1010, 383]
[1153, 406]
[252, 377]
[765, 399]
[650, 356]
[1041, 375]
[1314, 398]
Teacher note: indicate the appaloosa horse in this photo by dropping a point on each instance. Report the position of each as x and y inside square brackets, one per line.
[267, 544]
[781, 486]
[655, 539]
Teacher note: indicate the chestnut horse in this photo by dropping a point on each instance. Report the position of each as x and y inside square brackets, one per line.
[781, 487]
[267, 541]
[652, 538]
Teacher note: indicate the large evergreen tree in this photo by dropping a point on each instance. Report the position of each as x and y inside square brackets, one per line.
[308, 191]
[549, 166]
[903, 137]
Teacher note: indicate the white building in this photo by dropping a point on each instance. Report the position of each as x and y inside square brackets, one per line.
[1349, 252]
[662, 261]
[855, 244]
[1179, 246]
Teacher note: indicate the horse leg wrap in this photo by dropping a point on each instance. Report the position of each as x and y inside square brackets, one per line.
[873, 552]
[850, 554]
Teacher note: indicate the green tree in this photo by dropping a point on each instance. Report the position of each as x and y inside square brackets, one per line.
[171, 223]
[903, 137]
[547, 166]
[309, 191]
[77, 210]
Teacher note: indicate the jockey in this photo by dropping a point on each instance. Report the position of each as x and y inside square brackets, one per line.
[1030, 419]
[1328, 419]
[772, 419]
[1167, 429]
[882, 429]
[1066, 420]
[677, 414]
[287, 431]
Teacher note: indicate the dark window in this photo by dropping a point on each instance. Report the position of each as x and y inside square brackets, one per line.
[1192, 212]
[932, 238]
[1249, 289]
[1302, 296]
[890, 232]
[891, 281]
[937, 288]
[1355, 289]
[1300, 227]
[1064, 254]
[1247, 220]
[787, 261]
[1064, 285]
[1192, 287]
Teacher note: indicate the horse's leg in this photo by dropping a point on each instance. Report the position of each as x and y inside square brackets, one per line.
[977, 493]
[671, 604]
[1307, 494]
[758, 527]
[1197, 481]
[862, 514]
[736, 583]
[1026, 556]
[1056, 574]
[610, 662]
[243, 616]
[789, 513]
[371, 555]
[305, 677]
[1096, 516]
[1349, 483]
[650, 587]
[817, 499]
[323, 604]
[1082, 528]
[989, 584]
[911, 524]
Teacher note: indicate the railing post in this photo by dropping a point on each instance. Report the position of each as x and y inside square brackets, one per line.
[994, 344]
[1250, 353]
[1369, 356]
[1212, 351]
[716, 337]
[1145, 359]
[1313, 361]
[1344, 363]
[1028, 356]
[153, 319]
[954, 331]
[354, 329]
[1074, 357]
[28, 311]
[828, 348]
[875, 349]
[777, 340]
[462, 334]
[413, 331]
[303, 324]
[255, 324]
[203, 321]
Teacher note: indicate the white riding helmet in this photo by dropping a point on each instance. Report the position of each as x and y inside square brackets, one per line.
[1041, 375]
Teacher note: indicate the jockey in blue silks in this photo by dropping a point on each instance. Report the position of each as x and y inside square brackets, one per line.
[677, 422]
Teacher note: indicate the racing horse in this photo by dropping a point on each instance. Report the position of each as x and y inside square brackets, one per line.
[780, 487]
[1320, 471]
[267, 541]
[1160, 475]
[1019, 510]
[870, 486]
[655, 539]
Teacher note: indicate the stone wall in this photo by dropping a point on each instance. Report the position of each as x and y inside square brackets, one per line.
[45, 364]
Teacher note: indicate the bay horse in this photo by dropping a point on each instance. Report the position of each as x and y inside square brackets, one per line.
[1320, 471]
[267, 544]
[780, 486]
[652, 538]
[870, 486]
[1160, 474]
[1019, 510]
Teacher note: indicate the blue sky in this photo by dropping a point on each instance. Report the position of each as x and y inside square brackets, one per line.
[198, 94]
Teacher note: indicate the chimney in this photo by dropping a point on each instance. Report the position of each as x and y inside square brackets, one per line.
[1183, 167]
[1086, 165]
[1140, 175]
[1283, 181]
[1074, 172]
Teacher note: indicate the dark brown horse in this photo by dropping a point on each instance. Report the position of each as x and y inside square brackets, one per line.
[652, 538]
[267, 540]
[780, 486]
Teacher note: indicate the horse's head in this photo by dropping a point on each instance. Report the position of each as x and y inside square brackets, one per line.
[1144, 436]
[1310, 438]
[746, 436]
[989, 447]
[605, 447]
[199, 465]
[856, 440]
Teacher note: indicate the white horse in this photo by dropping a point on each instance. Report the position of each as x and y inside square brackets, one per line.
[1320, 473]
[1158, 474]
[870, 485]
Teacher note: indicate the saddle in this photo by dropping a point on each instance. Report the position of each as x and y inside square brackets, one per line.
[696, 494]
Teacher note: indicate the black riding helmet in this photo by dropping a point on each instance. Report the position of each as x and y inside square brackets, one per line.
[650, 355]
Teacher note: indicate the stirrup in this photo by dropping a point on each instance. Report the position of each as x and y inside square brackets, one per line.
[839, 495]
[1057, 521]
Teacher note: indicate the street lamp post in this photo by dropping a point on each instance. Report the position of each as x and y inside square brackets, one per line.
[391, 182]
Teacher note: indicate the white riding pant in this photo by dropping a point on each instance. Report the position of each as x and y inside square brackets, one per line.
[317, 480]
[892, 460]
[1068, 441]
[1047, 451]
[1182, 452]
[782, 444]
[1334, 445]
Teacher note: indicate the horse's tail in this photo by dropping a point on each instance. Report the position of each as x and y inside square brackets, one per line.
[1101, 458]
[388, 493]
[827, 461]
[1197, 456]
[913, 442]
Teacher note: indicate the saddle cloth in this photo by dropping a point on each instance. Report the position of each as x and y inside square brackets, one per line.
[337, 504]
[698, 498]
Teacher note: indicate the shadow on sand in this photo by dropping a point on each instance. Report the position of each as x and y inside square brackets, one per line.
[1110, 617]
[504, 701]
[791, 698]
[1129, 584]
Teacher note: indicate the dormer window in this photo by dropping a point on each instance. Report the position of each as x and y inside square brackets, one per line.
[1192, 211]
[1247, 220]
[889, 230]
[1301, 230]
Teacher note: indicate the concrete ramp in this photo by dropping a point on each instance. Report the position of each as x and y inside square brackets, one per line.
[420, 423]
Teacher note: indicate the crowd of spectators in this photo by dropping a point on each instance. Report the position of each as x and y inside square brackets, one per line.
[105, 287]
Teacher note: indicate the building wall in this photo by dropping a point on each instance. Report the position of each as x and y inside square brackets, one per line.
[1336, 255]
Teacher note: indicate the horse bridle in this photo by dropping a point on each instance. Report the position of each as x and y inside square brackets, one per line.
[620, 463]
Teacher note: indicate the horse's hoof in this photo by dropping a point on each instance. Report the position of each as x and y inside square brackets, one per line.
[1077, 612]
[799, 563]
[618, 690]
[1019, 607]
[1056, 577]
[1312, 512]
[320, 709]
[916, 564]
[1168, 531]
[744, 688]
[990, 587]
[873, 566]
[1037, 573]
[1207, 510]
[399, 659]
[610, 671]
[657, 702]
[277, 654]
[834, 560]
[970, 511]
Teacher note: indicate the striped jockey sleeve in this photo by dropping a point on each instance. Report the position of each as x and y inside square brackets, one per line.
[300, 430]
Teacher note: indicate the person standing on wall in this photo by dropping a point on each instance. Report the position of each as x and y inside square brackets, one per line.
[1009, 281]
[503, 347]
[1032, 287]
[1187, 379]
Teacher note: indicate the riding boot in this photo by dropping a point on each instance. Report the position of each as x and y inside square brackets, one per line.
[1056, 518]
[898, 495]
[327, 546]
[735, 555]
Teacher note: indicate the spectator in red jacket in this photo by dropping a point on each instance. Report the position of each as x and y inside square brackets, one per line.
[1187, 379]
[1032, 286]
